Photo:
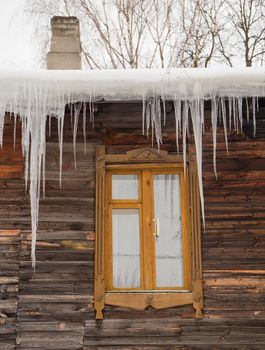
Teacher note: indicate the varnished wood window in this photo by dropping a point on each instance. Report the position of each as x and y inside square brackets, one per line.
[148, 235]
[147, 239]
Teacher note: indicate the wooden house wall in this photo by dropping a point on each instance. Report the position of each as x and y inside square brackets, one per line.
[52, 307]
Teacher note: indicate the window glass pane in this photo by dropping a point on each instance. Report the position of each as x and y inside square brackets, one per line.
[126, 248]
[169, 260]
[124, 186]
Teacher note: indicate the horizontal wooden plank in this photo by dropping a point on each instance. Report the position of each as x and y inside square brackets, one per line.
[118, 328]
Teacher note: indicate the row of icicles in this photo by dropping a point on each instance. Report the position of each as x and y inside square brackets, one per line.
[34, 118]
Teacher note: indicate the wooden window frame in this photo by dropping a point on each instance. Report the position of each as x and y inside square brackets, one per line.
[144, 204]
[141, 299]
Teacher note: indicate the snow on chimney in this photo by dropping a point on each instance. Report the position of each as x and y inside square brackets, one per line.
[65, 50]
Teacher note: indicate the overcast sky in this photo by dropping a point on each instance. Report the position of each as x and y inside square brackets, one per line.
[16, 49]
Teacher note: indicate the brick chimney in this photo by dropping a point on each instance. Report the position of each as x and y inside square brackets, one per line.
[65, 50]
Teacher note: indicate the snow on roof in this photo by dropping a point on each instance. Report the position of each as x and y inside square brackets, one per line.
[34, 95]
[185, 83]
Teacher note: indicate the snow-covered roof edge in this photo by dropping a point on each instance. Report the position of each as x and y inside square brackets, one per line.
[117, 84]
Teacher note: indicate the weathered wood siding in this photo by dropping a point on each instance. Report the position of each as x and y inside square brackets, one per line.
[52, 308]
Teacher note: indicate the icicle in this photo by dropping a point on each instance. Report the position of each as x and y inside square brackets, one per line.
[91, 111]
[50, 125]
[219, 110]
[214, 113]
[71, 114]
[254, 115]
[36, 130]
[224, 122]
[240, 113]
[185, 122]
[15, 131]
[84, 126]
[44, 172]
[26, 137]
[147, 117]
[59, 131]
[230, 112]
[143, 114]
[197, 123]
[188, 127]
[1, 131]
[157, 120]
[61, 124]
[177, 109]
[235, 115]
[247, 106]
[2, 119]
[152, 120]
[164, 110]
[77, 108]
[202, 114]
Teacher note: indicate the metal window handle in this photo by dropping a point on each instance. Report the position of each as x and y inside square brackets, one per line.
[156, 227]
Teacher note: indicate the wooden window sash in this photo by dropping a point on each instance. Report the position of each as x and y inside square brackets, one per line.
[108, 244]
[123, 172]
[147, 241]
[184, 227]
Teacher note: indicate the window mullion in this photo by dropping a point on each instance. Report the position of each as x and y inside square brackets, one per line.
[152, 237]
[147, 231]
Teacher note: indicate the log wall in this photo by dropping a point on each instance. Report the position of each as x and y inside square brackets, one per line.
[52, 308]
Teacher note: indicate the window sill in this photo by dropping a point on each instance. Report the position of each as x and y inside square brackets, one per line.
[142, 300]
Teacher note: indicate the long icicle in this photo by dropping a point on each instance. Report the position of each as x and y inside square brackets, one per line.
[197, 122]
[224, 118]
[177, 109]
[214, 114]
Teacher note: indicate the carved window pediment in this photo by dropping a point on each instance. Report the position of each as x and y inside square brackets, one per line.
[146, 155]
